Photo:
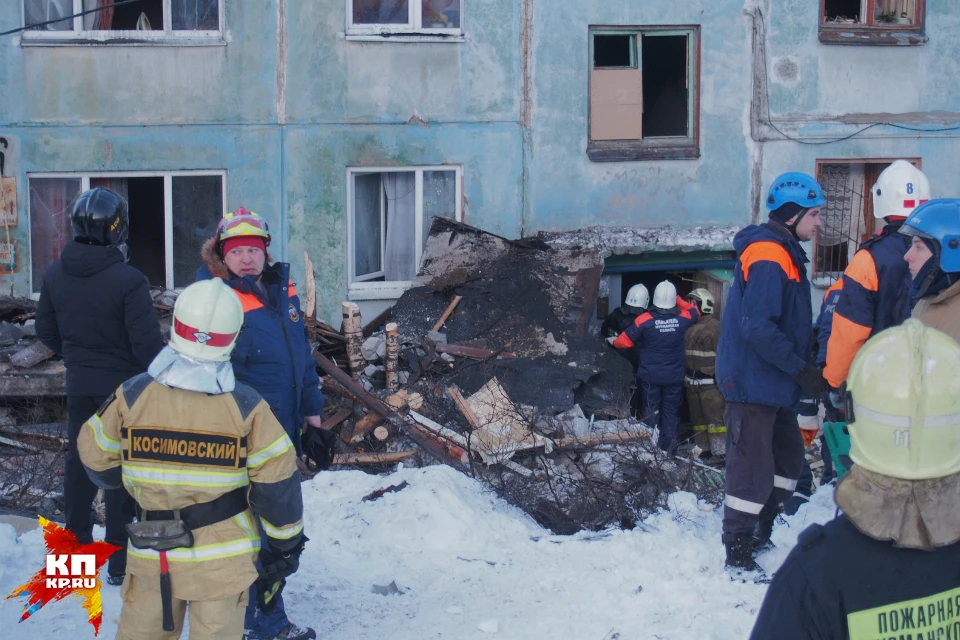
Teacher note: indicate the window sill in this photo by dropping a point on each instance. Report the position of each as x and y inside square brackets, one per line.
[875, 36]
[630, 150]
[377, 290]
[83, 41]
[406, 36]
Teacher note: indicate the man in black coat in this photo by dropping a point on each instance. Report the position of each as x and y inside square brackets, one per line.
[95, 310]
[889, 566]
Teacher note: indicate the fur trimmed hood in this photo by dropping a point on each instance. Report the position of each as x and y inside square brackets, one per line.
[208, 252]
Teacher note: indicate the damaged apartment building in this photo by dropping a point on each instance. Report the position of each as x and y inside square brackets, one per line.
[647, 130]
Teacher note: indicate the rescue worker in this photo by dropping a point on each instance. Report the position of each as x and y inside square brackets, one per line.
[202, 453]
[763, 360]
[703, 397]
[95, 310]
[876, 282]
[638, 299]
[887, 566]
[658, 335]
[272, 355]
[934, 262]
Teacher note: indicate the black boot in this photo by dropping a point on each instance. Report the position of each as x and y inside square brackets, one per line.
[763, 531]
[740, 551]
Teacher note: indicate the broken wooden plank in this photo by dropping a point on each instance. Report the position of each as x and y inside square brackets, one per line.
[437, 428]
[467, 351]
[446, 314]
[9, 442]
[601, 439]
[443, 451]
[335, 419]
[310, 311]
[365, 425]
[373, 458]
[465, 409]
[32, 355]
[46, 385]
[379, 493]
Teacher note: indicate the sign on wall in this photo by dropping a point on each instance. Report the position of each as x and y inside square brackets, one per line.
[8, 203]
[9, 257]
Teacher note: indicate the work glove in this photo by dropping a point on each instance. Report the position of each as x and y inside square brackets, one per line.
[611, 340]
[320, 446]
[811, 380]
[275, 568]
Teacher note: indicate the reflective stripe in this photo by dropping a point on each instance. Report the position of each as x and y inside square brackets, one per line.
[745, 506]
[702, 354]
[200, 554]
[797, 494]
[700, 427]
[697, 382]
[717, 429]
[282, 533]
[105, 443]
[154, 475]
[278, 448]
[942, 421]
[244, 522]
[887, 419]
[784, 483]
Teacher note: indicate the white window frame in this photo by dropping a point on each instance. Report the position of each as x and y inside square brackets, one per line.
[413, 31]
[165, 36]
[167, 202]
[392, 289]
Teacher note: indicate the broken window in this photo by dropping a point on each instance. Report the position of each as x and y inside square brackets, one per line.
[384, 17]
[643, 93]
[160, 17]
[847, 217]
[872, 13]
[166, 231]
[390, 216]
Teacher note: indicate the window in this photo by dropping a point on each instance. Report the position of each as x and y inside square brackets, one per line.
[415, 19]
[872, 21]
[644, 93]
[389, 216]
[144, 21]
[171, 215]
[847, 217]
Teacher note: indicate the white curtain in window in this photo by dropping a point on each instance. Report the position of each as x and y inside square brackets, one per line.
[37, 11]
[366, 226]
[400, 254]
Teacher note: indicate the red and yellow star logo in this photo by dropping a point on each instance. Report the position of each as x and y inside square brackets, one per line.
[59, 541]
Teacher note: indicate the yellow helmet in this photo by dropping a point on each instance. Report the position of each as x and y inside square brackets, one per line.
[242, 223]
[903, 403]
[704, 297]
[206, 321]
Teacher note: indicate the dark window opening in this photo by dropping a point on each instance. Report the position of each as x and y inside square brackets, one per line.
[613, 51]
[126, 17]
[841, 11]
[146, 241]
[197, 208]
[665, 86]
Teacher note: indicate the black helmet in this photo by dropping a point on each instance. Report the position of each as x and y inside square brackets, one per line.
[100, 217]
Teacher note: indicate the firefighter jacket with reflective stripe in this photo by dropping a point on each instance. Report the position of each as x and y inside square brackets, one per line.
[172, 448]
[659, 338]
[272, 354]
[875, 297]
[701, 345]
[767, 331]
[824, 324]
[941, 311]
[840, 583]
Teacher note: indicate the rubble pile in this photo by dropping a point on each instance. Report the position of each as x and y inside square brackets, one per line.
[498, 373]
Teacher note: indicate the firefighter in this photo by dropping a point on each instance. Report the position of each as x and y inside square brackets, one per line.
[202, 454]
[934, 262]
[885, 567]
[638, 299]
[764, 358]
[96, 311]
[658, 335]
[877, 281]
[703, 397]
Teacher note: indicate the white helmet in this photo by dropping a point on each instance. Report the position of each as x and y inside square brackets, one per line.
[638, 297]
[705, 298]
[899, 189]
[665, 295]
[903, 403]
[206, 321]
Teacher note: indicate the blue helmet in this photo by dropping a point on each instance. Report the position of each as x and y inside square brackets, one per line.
[938, 220]
[795, 187]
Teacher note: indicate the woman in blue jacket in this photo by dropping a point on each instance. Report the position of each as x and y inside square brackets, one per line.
[272, 355]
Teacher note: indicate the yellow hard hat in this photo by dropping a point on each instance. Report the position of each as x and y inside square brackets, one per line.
[705, 298]
[206, 321]
[903, 403]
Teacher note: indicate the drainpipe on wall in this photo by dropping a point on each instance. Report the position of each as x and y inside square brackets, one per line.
[526, 98]
[282, 117]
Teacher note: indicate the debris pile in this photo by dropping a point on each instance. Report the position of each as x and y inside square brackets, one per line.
[489, 363]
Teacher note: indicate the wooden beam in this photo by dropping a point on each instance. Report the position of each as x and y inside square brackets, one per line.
[335, 419]
[603, 438]
[372, 458]
[464, 407]
[446, 314]
[467, 351]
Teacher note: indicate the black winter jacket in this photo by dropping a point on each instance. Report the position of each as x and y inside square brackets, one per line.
[95, 310]
[839, 584]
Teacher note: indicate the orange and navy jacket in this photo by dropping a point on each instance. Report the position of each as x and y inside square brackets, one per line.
[824, 326]
[273, 354]
[767, 332]
[658, 336]
[875, 297]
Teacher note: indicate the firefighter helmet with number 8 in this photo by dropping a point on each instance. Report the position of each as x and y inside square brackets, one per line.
[206, 321]
[903, 403]
[900, 188]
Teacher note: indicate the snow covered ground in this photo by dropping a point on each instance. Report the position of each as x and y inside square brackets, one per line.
[470, 566]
